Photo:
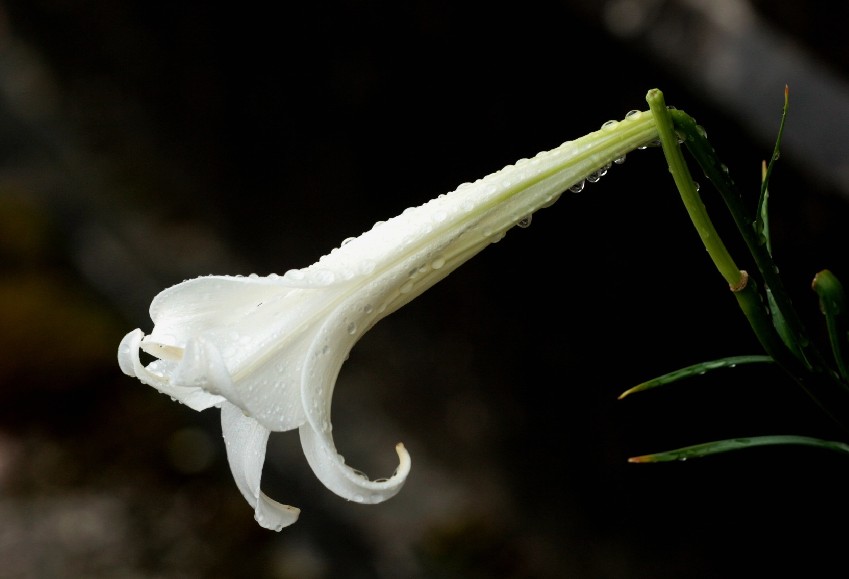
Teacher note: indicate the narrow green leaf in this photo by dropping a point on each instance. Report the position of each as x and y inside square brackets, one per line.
[781, 327]
[720, 446]
[761, 225]
[696, 370]
[761, 221]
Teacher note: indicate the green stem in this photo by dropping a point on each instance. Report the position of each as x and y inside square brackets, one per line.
[699, 147]
[689, 195]
[808, 368]
[744, 288]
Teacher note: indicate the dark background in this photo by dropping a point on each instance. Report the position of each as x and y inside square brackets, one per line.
[145, 143]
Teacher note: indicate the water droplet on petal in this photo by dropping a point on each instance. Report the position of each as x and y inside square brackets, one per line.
[525, 222]
[577, 187]
[352, 328]
[437, 262]
[550, 200]
[324, 276]
[366, 266]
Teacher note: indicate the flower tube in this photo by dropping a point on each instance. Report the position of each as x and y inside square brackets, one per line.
[268, 350]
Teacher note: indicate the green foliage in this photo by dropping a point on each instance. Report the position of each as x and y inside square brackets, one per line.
[761, 296]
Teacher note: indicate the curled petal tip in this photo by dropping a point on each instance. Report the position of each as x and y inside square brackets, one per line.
[275, 516]
[343, 480]
[404, 460]
[126, 350]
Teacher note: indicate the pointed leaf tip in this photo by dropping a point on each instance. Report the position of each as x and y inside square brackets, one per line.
[642, 459]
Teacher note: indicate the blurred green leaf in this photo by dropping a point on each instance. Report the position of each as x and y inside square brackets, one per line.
[696, 370]
[731, 444]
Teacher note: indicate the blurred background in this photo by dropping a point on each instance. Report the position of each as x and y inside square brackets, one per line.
[145, 143]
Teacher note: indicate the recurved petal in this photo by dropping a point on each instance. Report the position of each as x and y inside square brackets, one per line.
[331, 345]
[158, 375]
[330, 468]
[246, 440]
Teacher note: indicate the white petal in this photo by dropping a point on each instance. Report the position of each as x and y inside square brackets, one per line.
[196, 306]
[128, 359]
[246, 440]
[267, 393]
[253, 333]
[330, 348]
[330, 468]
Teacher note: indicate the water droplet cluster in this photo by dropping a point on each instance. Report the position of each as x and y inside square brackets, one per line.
[595, 176]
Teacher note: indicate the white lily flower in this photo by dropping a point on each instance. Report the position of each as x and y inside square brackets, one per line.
[268, 350]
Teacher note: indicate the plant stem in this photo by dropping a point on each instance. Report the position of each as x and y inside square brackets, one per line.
[806, 365]
[689, 194]
[745, 289]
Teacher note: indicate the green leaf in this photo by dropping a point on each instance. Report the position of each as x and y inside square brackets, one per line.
[792, 349]
[761, 225]
[731, 444]
[761, 220]
[781, 327]
[696, 370]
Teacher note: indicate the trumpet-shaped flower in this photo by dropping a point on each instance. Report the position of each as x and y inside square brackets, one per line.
[267, 350]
